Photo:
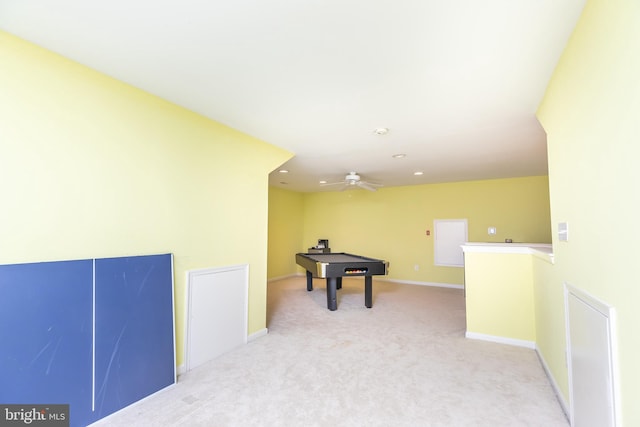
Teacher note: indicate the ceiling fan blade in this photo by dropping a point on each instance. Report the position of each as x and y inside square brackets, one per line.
[352, 181]
[366, 186]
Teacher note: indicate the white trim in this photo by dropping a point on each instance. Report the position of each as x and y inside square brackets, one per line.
[609, 312]
[413, 282]
[102, 420]
[190, 275]
[501, 340]
[404, 282]
[181, 369]
[437, 237]
[543, 251]
[254, 336]
[554, 384]
[506, 248]
[273, 279]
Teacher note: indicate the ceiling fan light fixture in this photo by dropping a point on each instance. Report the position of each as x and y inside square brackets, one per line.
[352, 176]
[352, 180]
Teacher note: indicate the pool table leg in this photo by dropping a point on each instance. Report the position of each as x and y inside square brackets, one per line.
[309, 281]
[332, 303]
[368, 291]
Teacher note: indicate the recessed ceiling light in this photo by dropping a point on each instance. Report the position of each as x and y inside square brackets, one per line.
[381, 131]
[399, 156]
[283, 171]
[418, 173]
[323, 182]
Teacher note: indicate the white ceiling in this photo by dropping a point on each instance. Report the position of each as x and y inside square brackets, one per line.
[457, 82]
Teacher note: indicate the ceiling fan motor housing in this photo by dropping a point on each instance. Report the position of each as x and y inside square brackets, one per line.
[352, 177]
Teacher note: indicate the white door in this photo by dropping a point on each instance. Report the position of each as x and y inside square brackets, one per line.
[590, 352]
[450, 235]
[217, 312]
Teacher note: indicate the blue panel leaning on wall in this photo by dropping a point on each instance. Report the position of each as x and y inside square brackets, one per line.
[48, 314]
[46, 335]
[134, 330]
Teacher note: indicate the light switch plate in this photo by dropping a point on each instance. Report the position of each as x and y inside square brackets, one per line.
[563, 231]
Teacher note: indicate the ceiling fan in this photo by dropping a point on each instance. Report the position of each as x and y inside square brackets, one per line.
[352, 180]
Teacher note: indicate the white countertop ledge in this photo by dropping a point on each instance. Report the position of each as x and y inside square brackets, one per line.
[541, 250]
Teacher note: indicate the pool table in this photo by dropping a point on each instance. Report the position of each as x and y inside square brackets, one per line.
[335, 266]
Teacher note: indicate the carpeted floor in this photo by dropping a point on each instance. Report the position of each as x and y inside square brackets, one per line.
[404, 362]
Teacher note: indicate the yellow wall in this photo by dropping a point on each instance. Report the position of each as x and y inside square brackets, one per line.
[499, 295]
[591, 115]
[391, 223]
[550, 323]
[91, 167]
[285, 231]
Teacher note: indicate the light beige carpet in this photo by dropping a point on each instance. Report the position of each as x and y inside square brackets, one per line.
[404, 362]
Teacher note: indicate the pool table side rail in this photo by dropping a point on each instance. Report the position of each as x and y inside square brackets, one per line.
[360, 266]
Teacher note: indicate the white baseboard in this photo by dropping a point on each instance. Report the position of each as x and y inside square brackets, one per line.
[181, 369]
[273, 279]
[254, 336]
[501, 340]
[386, 279]
[136, 403]
[412, 282]
[554, 385]
[532, 345]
